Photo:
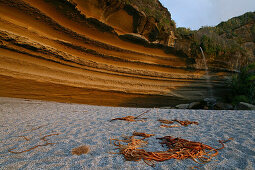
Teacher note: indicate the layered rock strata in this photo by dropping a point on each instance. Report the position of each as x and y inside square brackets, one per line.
[55, 50]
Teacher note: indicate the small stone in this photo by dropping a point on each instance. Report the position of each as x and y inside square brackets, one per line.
[182, 106]
[245, 106]
[223, 106]
[166, 107]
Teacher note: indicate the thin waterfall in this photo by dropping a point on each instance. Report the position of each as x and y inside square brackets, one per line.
[208, 80]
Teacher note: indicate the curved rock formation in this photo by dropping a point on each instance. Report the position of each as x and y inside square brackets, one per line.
[54, 50]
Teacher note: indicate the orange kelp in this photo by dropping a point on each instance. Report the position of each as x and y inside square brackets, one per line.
[183, 149]
[165, 121]
[185, 122]
[145, 135]
[27, 139]
[167, 126]
[177, 149]
[132, 118]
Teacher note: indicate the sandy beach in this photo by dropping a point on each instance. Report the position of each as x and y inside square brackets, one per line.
[68, 67]
[24, 122]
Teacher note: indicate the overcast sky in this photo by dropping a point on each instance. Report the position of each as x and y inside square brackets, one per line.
[196, 13]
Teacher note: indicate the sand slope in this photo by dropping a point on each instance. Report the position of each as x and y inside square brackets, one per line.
[41, 44]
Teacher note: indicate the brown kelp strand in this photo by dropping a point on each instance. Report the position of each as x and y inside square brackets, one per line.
[26, 138]
[169, 126]
[145, 135]
[34, 147]
[182, 123]
[165, 121]
[185, 122]
[132, 118]
[35, 128]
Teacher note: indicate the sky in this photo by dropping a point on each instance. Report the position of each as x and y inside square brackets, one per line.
[194, 14]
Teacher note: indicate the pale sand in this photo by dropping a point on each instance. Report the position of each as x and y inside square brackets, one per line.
[89, 125]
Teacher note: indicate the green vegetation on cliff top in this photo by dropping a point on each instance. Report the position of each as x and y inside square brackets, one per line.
[231, 25]
[230, 41]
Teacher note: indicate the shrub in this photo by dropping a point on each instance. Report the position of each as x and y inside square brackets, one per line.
[243, 85]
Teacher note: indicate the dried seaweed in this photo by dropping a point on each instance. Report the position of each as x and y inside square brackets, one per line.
[27, 139]
[80, 150]
[35, 128]
[184, 149]
[145, 135]
[171, 126]
[165, 121]
[132, 118]
[177, 149]
[185, 122]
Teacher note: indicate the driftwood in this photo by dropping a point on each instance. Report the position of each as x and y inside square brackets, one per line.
[27, 139]
[132, 118]
[177, 149]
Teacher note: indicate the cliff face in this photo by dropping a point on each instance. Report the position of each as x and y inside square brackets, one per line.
[228, 46]
[60, 50]
[129, 17]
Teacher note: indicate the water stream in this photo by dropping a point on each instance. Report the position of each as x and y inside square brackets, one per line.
[208, 80]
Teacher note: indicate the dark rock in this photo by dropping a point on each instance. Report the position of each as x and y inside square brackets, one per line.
[150, 24]
[245, 106]
[210, 102]
[141, 22]
[182, 106]
[196, 105]
[166, 107]
[223, 106]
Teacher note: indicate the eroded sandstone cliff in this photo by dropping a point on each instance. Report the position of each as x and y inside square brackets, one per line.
[73, 51]
[125, 17]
